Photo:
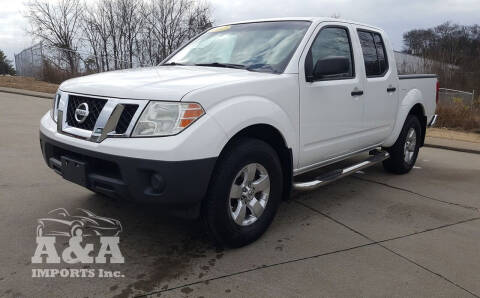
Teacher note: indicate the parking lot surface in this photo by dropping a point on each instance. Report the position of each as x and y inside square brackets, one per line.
[371, 234]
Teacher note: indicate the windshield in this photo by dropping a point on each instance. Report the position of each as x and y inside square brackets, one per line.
[265, 46]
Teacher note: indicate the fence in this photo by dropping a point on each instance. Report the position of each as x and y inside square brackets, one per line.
[50, 63]
[410, 64]
[29, 62]
[450, 96]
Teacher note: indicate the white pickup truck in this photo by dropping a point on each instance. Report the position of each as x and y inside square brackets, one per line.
[225, 125]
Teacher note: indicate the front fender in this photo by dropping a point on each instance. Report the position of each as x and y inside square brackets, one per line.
[237, 113]
[412, 98]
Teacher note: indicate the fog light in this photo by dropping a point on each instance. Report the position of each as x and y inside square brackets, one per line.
[157, 182]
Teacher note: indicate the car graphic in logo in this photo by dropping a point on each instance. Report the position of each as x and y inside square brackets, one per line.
[82, 223]
[82, 112]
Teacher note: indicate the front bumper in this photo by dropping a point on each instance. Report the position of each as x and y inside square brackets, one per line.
[168, 182]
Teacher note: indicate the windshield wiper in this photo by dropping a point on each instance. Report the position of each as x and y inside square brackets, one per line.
[260, 67]
[253, 67]
[172, 63]
[218, 64]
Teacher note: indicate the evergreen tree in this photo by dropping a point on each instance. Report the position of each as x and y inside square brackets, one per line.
[6, 66]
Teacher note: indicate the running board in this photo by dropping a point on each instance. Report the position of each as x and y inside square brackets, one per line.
[377, 156]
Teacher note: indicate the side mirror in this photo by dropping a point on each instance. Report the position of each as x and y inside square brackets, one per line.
[330, 66]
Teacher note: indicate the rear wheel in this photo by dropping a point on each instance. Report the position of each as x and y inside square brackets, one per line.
[404, 153]
[245, 192]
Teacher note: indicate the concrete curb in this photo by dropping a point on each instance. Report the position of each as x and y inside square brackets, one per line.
[27, 93]
[473, 151]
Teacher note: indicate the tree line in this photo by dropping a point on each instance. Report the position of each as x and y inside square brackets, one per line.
[456, 47]
[86, 37]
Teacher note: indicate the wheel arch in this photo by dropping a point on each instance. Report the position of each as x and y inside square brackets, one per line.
[77, 222]
[274, 138]
[418, 110]
[412, 104]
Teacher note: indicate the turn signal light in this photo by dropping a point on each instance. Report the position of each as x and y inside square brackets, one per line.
[190, 114]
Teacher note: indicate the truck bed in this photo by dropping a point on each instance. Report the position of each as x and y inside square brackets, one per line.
[425, 84]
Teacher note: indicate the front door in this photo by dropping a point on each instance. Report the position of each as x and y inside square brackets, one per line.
[331, 106]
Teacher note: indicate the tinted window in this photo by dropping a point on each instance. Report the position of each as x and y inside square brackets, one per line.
[381, 53]
[374, 53]
[331, 42]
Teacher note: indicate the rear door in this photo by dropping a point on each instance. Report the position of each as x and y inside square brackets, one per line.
[381, 87]
[331, 108]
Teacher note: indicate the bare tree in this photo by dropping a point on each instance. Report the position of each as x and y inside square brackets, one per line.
[173, 22]
[199, 19]
[114, 34]
[57, 24]
[93, 36]
[131, 24]
[97, 15]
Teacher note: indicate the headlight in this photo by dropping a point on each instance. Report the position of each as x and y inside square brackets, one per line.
[162, 118]
[54, 110]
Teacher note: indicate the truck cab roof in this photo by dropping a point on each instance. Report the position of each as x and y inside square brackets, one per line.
[314, 20]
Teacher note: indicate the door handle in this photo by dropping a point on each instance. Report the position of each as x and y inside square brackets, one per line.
[357, 93]
[391, 89]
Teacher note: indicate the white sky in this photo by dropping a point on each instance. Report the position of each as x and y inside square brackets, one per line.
[394, 16]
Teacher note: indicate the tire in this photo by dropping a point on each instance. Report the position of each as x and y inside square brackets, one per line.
[76, 230]
[40, 230]
[225, 199]
[404, 153]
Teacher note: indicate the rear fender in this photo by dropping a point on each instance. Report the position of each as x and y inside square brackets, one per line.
[412, 98]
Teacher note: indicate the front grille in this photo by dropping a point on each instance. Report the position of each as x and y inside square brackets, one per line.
[126, 117]
[95, 106]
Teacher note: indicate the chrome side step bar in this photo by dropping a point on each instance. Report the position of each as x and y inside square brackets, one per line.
[377, 156]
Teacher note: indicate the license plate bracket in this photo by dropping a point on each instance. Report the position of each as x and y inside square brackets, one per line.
[74, 170]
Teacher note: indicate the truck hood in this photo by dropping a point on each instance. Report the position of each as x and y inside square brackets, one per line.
[156, 83]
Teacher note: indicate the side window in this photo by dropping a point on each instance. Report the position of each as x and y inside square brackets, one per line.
[374, 53]
[381, 53]
[332, 51]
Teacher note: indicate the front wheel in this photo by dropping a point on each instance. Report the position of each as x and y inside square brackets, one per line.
[404, 153]
[244, 194]
[76, 230]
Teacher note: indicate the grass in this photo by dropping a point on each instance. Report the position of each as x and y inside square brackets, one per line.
[27, 83]
[458, 116]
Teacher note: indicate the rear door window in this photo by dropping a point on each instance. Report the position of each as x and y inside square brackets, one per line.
[374, 53]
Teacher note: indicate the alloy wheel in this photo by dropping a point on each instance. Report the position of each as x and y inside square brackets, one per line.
[249, 194]
[410, 145]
